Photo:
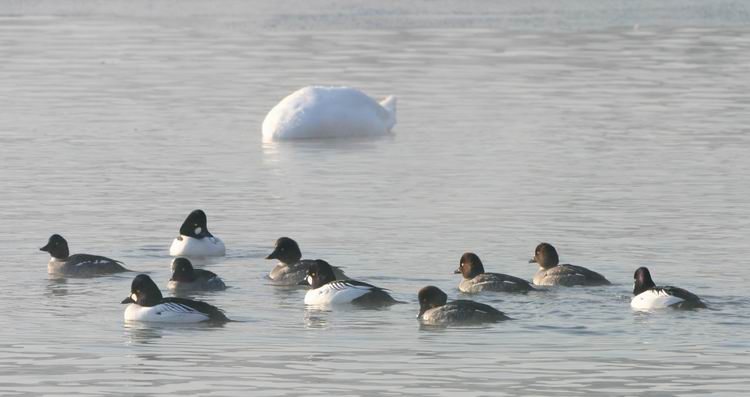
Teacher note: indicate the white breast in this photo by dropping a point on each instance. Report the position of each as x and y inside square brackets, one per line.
[653, 299]
[197, 248]
[55, 266]
[335, 293]
[164, 313]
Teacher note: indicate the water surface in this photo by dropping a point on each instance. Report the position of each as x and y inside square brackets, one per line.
[620, 136]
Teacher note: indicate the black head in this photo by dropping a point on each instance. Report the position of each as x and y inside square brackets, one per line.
[642, 280]
[430, 297]
[143, 291]
[183, 270]
[57, 247]
[195, 225]
[286, 251]
[470, 265]
[319, 274]
[545, 255]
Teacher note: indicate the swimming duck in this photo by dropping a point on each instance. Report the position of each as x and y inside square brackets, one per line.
[434, 309]
[552, 273]
[476, 280]
[648, 296]
[146, 304]
[292, 269]
[185, 277]
[326, 290]
[195, 240]
[81, 265]
[329, 112]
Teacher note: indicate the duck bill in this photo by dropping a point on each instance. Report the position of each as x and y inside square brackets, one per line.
[303, 282]
[273, 255]
[532, 260]
[45, 248]
[457, 271]
[127, 300]
[421, 312]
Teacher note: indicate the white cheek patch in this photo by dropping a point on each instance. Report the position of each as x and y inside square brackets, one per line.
[309, 280]
[197, 230]
[134, 297]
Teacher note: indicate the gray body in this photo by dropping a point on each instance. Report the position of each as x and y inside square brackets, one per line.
[494, 282]
[462, 312]
[84, 265]
[568, 276]
[285, 274]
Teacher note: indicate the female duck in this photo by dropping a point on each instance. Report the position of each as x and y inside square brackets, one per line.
[146, 304]
[326, 290]
[80, 265]
[648, 296]
[435, 310]
[186, 278]
[552, 273]
[292, 269]
[476, 280]
[195, 240]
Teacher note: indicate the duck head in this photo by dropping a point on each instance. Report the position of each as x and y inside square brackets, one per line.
[430, 297]
[286, 251]
[642, 280]
[319, 274]
[195, 225]
[469, 266]
[57, 247]
[143, 292]
[545, 255]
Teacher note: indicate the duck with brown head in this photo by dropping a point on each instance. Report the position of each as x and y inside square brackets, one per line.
[291, 268]
[434, 309]
[475, 279]
[551, 272]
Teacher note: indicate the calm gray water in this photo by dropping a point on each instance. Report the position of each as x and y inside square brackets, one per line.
[617, 131]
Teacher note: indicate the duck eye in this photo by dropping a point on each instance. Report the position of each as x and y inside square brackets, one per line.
[312, 274]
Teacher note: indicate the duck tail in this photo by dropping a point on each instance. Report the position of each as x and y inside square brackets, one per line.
[389, 104]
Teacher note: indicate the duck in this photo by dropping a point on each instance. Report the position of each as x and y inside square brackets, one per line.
[146, 304]
[552, 273]
[185, 277]
[434, 309]
[80, 265]
[329, 112]
[476, 280]
[195, 240]
[292, 269]
[648, 296]
[327, 290]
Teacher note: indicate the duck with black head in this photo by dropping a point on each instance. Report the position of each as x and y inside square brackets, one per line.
[146, 304]
[475, 279]
[434, 309]
[195, 241]
[551, 272]
[647, 295]
[292, 269]
[327, 290]
[61, 263]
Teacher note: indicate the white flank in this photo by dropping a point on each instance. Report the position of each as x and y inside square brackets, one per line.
[335, 293]
[197, 248]
[653, 299]
[164, 313]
